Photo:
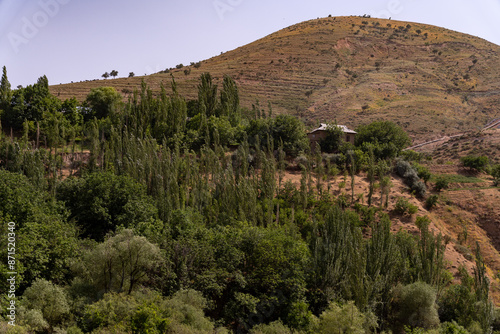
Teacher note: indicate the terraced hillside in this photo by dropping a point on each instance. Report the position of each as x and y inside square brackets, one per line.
[431, 80]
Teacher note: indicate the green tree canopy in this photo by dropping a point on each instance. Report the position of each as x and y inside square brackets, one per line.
[333, 140]
[120, 263]
[5, 92]
[103, 101]
[477, 163]
[99, 202]
[387, 138]
[284, 128]
[48, 298]
[207, 95]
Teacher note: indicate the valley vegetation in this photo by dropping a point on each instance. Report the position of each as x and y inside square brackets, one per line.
[163, 214]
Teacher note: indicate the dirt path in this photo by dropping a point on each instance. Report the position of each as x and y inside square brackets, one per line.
[493, 124]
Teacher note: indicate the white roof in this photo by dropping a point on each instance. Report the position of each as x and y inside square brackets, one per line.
[325, 127]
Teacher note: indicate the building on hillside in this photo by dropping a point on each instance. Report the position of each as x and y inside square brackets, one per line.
[316, 135]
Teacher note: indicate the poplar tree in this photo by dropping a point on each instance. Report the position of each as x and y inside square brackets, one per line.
[230, 101]
[207, 95]
[371, 174]
[5, 92]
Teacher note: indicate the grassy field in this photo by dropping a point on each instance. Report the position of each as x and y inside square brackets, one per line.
[456, 178]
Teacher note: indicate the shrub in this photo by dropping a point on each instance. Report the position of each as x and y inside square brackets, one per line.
[419, 189]
[410, 176]
[302, 162]
[431, 201]
[403, 206]
[411, 155]
[423, 172]
[342, 319]
[441, 183]
[495, 172]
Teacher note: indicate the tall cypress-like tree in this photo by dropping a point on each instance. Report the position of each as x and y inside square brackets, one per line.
[5, 92]
[230, 101]
[207, 95]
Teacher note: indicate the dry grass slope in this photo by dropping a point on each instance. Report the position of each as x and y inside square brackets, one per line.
[431, 80]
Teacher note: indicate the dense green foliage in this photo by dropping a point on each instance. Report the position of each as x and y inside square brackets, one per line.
[333, 140]
[387, 138]
[477, 163]
[99, 202]
[158, 228]
[495, 172]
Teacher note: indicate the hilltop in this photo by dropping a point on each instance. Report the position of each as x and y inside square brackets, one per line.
[430, 80]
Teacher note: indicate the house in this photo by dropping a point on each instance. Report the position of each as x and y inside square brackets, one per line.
[316, 135]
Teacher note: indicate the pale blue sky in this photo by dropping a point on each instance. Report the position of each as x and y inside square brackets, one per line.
[73, 40]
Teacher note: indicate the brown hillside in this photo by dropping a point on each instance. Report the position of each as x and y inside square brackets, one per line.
[431, 80]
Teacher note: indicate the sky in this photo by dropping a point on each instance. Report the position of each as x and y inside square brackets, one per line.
[75, 40]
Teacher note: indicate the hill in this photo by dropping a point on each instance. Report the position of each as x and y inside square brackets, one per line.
[430, 80]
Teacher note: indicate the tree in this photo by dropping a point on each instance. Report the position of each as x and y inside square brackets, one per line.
[342, 319]
[120, 263]
[333, 140]
[49, 299]
[495, 172]
[230, 100]
[207, 95]
[30, 104]
[131, 75]
[105, 75]
[477, 163]
[289, 130]
[100, 202]
[103, 101]
[113, 73]
[387, 138]
[416, 305]
[5, 92]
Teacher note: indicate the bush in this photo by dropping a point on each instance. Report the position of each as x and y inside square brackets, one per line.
[403, 206]
[410, 176]
[342, 319]
[419, 189]
[477, 163]
[423, 172]
[431, 201]
[441, 183]
[495, 172]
